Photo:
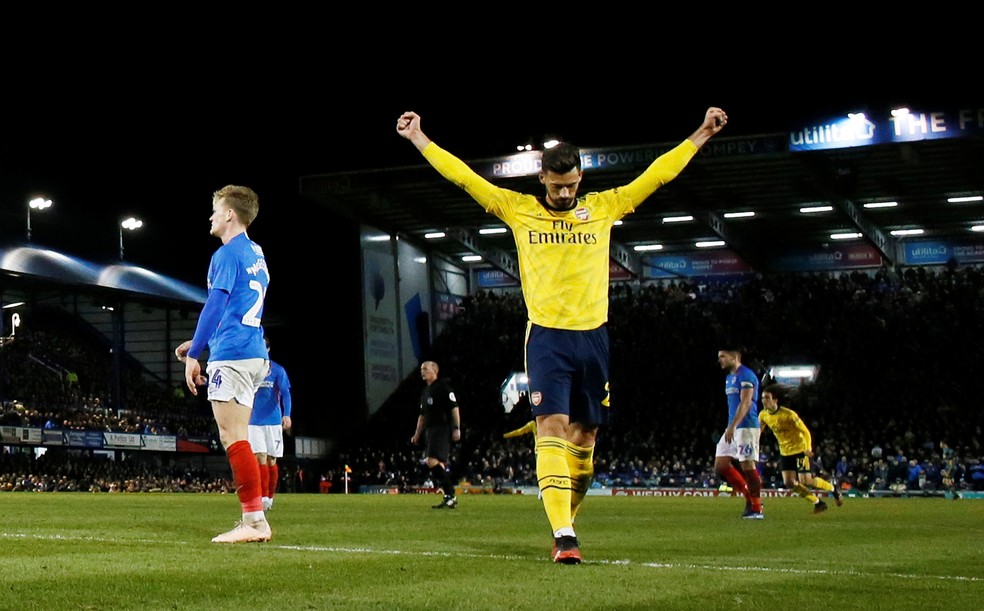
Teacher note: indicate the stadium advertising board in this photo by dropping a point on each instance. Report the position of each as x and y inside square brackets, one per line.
[159, 443]
[616, 271]
[841, 256]
[52, 438]
[494, 278]
[927, 252]
[887, 126]
[690, 492]
[121, 440]
[594, 159]
[18, 434]
[23, 435]
[84, 439]
[717, 262]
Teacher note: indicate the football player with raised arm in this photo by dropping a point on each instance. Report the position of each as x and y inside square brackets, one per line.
[563, 243]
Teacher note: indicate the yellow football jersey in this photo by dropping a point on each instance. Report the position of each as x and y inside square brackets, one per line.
[563, 255]
[790, 432]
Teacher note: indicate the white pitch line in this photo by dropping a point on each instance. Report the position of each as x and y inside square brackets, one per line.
[393, 552]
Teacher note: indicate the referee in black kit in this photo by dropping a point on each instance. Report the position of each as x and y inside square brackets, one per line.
[441, 419]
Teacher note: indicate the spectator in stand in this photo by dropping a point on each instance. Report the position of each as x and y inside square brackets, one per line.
[916, 475]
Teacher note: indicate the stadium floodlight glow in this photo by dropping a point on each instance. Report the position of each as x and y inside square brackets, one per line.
[549, 144]
[881, 204]
[678, 219]
[7, 306]
[905, 232]
[647, 247]
[130, 224]
[433, 235]
[977, 228]
[514, 388]
[471, 258]
[964, 199]
[38, 203]
[492, 230]
[845, 236]
[709, 243]
[738, 215]
[815, 209]
[794, 374]
[618, 222]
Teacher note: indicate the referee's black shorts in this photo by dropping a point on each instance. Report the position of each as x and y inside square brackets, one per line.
[439, 442]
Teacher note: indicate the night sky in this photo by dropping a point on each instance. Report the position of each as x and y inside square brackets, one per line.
[155, 142]
[102, 162]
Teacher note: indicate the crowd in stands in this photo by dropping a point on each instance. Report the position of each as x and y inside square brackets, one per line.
[56, 376]
[897, 355]
[56, 471]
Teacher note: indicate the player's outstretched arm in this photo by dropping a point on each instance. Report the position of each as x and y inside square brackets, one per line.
[714, 121]
[408, 126]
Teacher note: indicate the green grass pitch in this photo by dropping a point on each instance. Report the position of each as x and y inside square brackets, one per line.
[153, 551]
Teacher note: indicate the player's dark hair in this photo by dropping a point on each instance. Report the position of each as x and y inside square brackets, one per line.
[778, 391]
[561, 159]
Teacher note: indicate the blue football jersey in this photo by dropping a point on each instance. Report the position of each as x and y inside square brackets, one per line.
[272, 401]
[239, 268]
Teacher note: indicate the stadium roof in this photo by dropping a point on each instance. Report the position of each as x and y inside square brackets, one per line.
[26, 268]
[763, 174]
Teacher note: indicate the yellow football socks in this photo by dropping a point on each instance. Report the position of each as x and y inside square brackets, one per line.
[804, 492]
[581, 463]
[822, 484]
[554, 478]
